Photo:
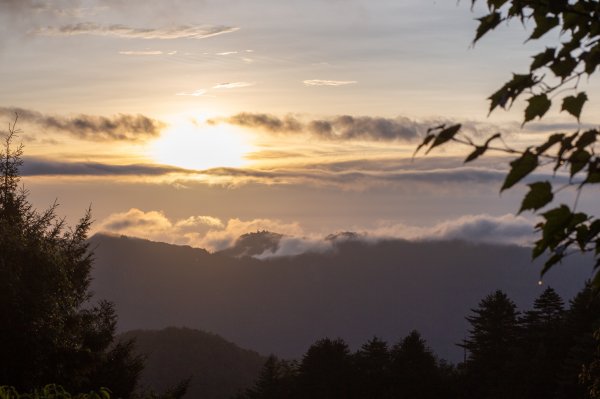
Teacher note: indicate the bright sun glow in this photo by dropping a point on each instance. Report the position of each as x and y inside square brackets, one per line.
[201, 147]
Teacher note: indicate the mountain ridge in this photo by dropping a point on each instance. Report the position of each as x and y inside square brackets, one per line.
[282, 305]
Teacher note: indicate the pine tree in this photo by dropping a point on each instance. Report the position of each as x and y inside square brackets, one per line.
[372, 367]
[276, 380]
[49, 331]
[543, 345]
[492, 348]
[415, 374]
[582, 319]
[326, 370]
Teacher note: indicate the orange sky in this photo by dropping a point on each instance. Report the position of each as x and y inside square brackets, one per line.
[203, 119]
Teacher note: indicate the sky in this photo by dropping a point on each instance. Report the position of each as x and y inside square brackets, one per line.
[193, 122]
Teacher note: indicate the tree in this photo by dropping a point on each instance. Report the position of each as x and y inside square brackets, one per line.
[50, 330]
[325, 371]
[543, 344]
[552, 73]
[276, 380]
[372, 367]
[492, 347]
[415, 373]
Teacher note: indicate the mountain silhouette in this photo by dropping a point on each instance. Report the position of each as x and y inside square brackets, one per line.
[282, 305]
[218, 369]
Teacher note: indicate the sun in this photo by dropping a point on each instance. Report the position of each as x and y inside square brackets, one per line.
[198, 147]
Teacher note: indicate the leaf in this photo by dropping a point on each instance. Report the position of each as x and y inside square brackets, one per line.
[538, 106]
[578, 160]
[557, 219]
[539, 195]
[553, 139]
[426, 141]
[574, 104]
[511, 90]
[593, 172]
[543, 58]
[486, 24]
[563, 67]
[519, 168]
[445, 135]
[586, 139]
[480, 150]
[554, 259]
[543, 25]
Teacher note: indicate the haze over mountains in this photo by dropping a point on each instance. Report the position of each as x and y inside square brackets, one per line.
[356, 290]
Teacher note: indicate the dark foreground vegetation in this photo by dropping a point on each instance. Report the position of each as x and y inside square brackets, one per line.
[538, 353]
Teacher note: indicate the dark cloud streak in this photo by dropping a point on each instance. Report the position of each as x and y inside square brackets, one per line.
[33, 166]
[349, 128]
[120, 127]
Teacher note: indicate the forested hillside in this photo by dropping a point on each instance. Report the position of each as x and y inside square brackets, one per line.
[216, 368]
[283, 305]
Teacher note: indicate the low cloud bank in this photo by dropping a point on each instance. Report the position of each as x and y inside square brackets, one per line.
[215, 234]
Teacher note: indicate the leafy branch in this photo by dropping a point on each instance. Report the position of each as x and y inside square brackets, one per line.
[552, 72]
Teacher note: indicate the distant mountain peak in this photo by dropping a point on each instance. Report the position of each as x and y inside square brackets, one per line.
[345, 236]
[252, 244]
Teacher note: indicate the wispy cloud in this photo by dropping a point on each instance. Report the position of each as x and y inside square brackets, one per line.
[227, 53]
[124, 31]
[322, 82]
[195, 93]
[90, 127]
[233, 85]
[143, 52]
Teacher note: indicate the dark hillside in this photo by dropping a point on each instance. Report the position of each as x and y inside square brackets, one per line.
[218, 368]
[283, 305]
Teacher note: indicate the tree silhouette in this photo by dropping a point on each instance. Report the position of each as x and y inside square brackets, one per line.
[50, 330]
[492, 347]
[325, 370]
[543, 344]
[276, 380]
[415, 374]
[372, 364]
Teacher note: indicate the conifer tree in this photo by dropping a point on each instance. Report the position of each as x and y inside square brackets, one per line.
[415, 373]
[543, 345]
[372, 367]
[50, 330]
[492, 347]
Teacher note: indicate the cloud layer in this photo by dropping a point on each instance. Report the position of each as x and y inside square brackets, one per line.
[352, 128]
[199, 231]
[341, 128]
[123, 31]
[213, 234]
[33, 166]
[89, 127]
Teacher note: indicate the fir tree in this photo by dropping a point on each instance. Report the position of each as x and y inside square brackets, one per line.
[50, 332]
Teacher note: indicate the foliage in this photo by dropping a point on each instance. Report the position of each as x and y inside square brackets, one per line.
[537, 355]
[51, 391]
[552, 73]
[50, 331]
